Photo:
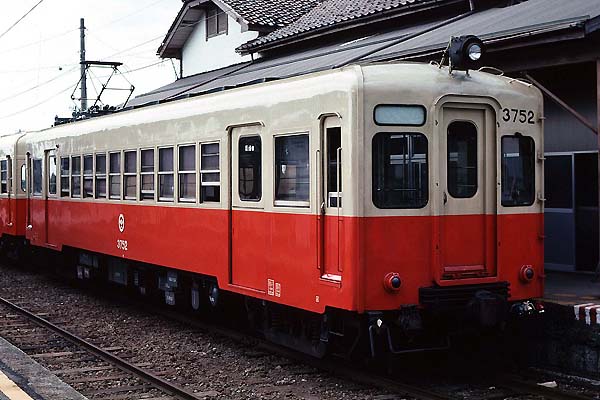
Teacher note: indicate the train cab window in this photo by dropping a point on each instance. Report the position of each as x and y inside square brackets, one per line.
[292, 184]
[187, 173]
[462, 159]
[76, 176]
[114, 176]
[37, 177]
[166, 179]
[101, 176]
[64, 177]
[400, 170]
[52, 168]
[334, 148]
[249, 172]
[400, 115]
[147, 174]
[4, 176]
[518, 171]
[210, 174]
[88, 176]
[130, 175]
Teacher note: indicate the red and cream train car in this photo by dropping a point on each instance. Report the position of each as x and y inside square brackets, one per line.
[362, 202]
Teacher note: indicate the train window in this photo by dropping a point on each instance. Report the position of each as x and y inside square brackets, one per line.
[187, 173]
[64, 176]
[518, 171]
[114, 176]
[52, 174]
[24, 178]
[334, 148]
[147, 174]
[210, 174]
[400, 114]
[166, 179]
[76, 176]
[249, 168]
[130, 178]
[4, 176]
[462, 159]
[37, 177]
[88, 176]
[292, 182]
[101, 176]
[400, 170]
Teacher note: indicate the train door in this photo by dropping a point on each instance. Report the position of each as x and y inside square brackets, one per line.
[331, 203]
[49, 189]
[249, 227]
[468, 188]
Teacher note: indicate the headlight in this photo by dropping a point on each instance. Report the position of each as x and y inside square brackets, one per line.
[475, 52]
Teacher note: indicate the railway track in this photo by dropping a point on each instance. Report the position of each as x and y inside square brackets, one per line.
[118, 378]
[55, 342]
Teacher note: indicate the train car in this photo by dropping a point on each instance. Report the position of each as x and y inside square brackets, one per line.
[12, 194]
[368, 204]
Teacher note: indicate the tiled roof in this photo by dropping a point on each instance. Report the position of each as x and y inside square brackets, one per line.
[330, 13]
[270, 13]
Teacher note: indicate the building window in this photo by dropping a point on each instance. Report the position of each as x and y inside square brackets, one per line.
[64, 176]
[166, 179]
[400, 172]
[216, 22]
[4, 176]
[210, 173]
[88, 176]
[114, 173]
[76, 176]
[100, 176]
[37, 177]
[187, 173]
[147, 174]
[462, 159]
[249, 172]
[130, 175]
[52, 174]
[292, 182]
[518, 171]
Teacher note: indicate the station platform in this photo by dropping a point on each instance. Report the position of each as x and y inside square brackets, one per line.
[576, 291]
[21, 378]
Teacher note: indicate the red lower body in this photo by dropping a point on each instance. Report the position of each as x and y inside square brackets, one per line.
[283, 257]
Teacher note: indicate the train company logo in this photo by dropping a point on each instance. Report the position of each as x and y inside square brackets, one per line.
[121, 223]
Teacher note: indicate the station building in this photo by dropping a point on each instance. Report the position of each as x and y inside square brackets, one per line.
[554, 44]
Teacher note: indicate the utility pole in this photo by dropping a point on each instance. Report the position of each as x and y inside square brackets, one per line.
[83, 66]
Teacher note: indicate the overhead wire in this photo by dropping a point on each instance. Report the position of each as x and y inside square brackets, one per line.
[37, 104]
[21, 19]
[12, 96]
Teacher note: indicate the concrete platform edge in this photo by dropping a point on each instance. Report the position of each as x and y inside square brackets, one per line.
[38, 382]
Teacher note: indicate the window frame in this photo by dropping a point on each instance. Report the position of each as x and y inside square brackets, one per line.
[50, 155]
[400, 105]
[180, 172]
[151, 173]
[202, 184]
[33, 183]
[213, 14]
[4, 189]
[291, 203]
[373, 181]
[88, 176]
[100, 175]
[451, 188]
[520, 136]
[160, 173]
[67, 176]
[130, 174]
[78, 175]
[260, 174]
[110, 175]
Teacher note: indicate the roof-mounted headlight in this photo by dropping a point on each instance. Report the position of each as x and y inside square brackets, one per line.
[466, 52]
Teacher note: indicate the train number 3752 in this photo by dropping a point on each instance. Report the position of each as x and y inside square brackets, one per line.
[518, 115]
[122, 244]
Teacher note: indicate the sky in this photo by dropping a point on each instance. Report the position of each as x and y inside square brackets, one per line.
[40, 55]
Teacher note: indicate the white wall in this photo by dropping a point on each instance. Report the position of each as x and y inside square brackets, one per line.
[201, 55]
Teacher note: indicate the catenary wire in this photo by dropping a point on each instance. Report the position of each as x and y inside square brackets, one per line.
[21, 19]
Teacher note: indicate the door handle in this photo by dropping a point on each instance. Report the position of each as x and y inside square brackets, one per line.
[445, 198]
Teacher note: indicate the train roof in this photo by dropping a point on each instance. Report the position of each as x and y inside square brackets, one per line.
[423, 80]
